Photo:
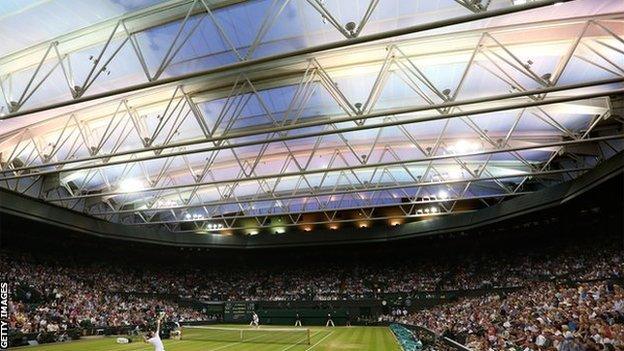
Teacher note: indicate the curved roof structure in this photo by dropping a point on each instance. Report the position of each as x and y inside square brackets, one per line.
[226, 116]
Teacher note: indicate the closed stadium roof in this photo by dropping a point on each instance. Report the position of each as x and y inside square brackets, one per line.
[223, 115]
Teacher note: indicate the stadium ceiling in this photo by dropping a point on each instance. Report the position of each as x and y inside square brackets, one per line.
[224, 116]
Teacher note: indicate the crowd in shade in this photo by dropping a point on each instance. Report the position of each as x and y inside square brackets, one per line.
[543, 316]
[54, 298]
[53, 293]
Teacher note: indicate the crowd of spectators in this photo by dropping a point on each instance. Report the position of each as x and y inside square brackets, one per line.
[544, 316]
[53, 294]
[56, 298]
[320, 283]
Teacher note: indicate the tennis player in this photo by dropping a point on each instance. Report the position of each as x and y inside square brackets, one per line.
[329, 321]
[297, 321]
[255, 320]
[153, 337]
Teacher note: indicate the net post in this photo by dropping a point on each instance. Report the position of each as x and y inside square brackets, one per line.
[308, 336]
[241, 335]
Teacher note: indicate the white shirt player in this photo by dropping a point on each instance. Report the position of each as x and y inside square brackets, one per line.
[329, 321]
[155, 340]
[255, 319]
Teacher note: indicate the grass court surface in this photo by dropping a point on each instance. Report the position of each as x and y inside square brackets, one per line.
[321, 339]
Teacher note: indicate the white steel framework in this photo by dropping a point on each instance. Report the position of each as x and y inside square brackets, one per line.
[377, 127]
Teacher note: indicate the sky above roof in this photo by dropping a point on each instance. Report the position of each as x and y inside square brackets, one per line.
[28, 22]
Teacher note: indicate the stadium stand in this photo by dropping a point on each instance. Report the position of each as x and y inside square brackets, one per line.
[406, 338]
[569, 294]
[312, 175]
[584, 317]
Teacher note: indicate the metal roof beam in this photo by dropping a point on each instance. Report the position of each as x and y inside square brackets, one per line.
[354, 167]
[137, 21]
[218, 219]
[215, 140]
[407, 185]
[296, 53]
[207, 89]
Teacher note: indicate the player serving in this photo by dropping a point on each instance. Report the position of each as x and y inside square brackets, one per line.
[153, 338]
[255, 320]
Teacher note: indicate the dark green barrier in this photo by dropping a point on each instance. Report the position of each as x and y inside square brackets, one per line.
[21, 339]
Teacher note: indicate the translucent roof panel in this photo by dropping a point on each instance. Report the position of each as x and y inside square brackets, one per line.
[181, 112]
[24, 23]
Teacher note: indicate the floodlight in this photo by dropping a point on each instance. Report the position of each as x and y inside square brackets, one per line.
[130, 185]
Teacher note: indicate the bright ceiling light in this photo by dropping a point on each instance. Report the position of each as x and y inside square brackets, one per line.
[443, 195]
[463, 147]
[130, 185]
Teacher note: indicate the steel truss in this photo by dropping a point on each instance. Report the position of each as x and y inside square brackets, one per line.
[179, 96]
[359, 198]
[114, 36]
[94, 145]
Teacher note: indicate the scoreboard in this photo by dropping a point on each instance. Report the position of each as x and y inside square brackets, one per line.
[238, 311]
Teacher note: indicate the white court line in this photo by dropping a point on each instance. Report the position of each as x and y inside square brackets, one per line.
[291, 346]
[318, 342]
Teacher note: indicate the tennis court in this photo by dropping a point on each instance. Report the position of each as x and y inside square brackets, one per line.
[321, 339]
